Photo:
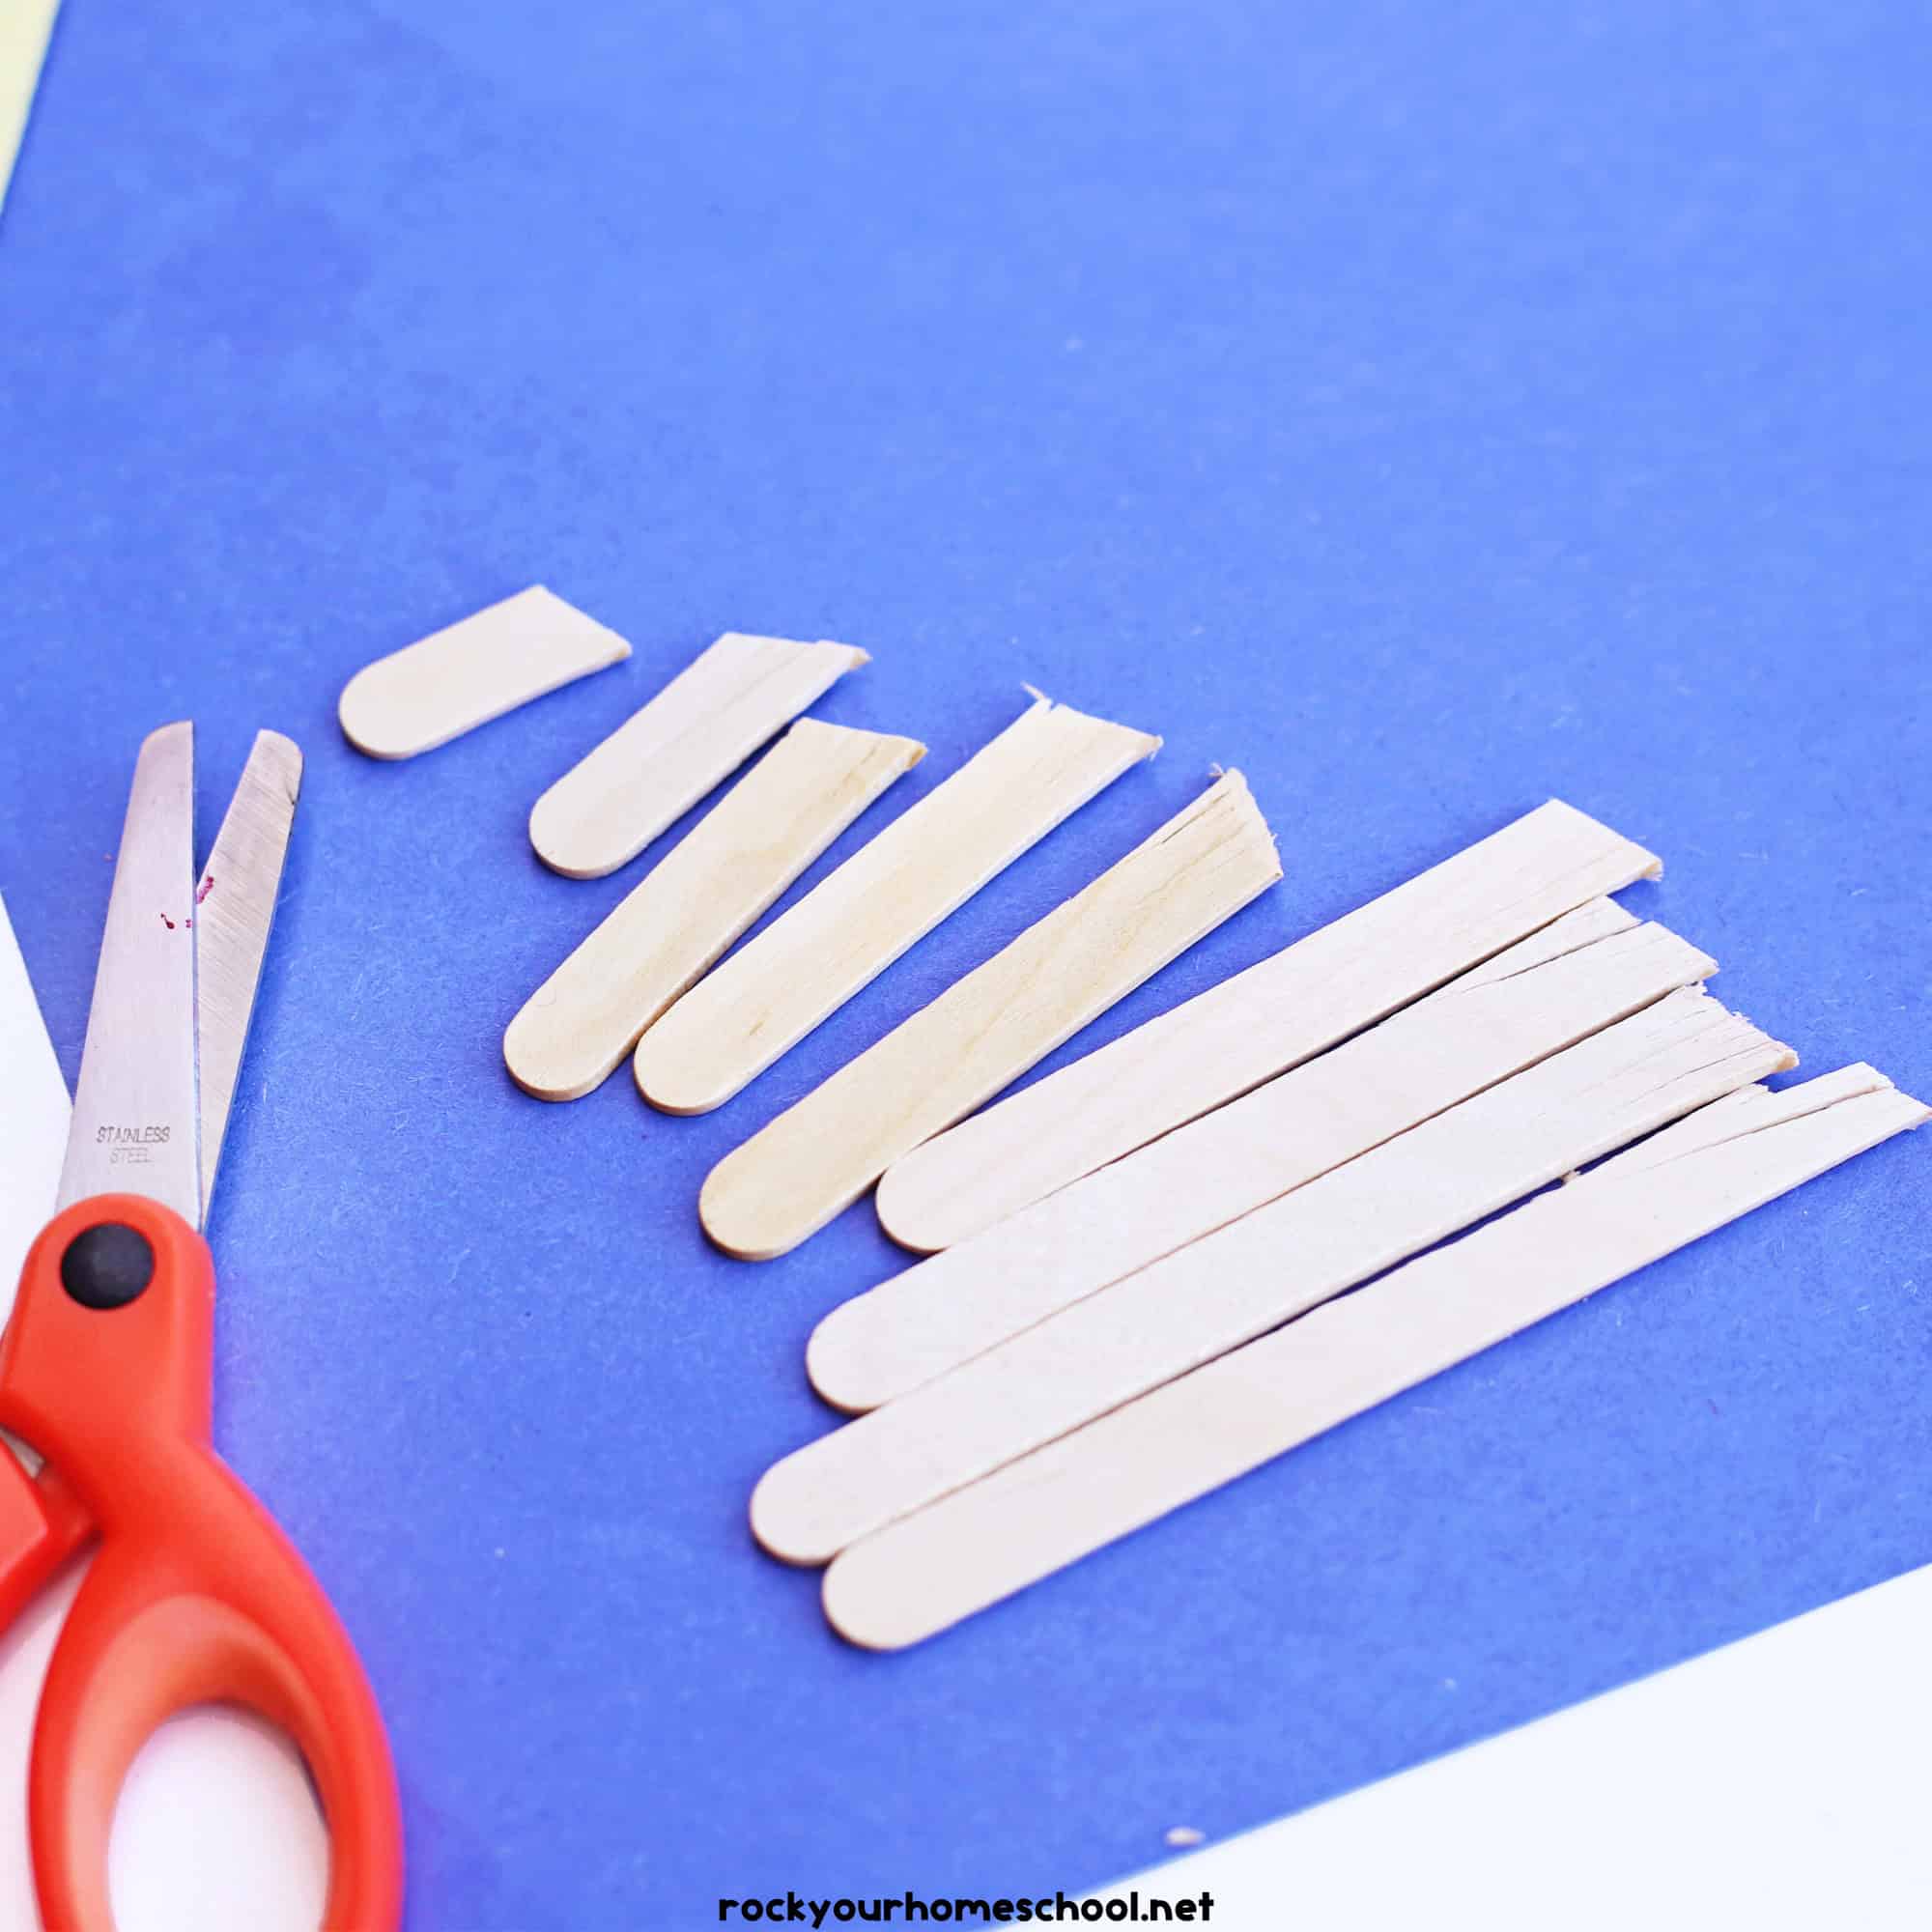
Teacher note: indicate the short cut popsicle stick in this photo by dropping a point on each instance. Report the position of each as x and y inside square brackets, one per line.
[694, 734]
[1217, 1045]
[925, 864]
[1260, 1272]
[460, 677]
[1126, 1469]
[986, 1029]
[577, 1028]
[1585, 971]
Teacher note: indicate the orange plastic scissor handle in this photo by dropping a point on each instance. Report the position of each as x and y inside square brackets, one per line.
[196, 1596]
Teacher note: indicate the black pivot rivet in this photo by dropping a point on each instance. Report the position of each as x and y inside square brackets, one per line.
[107, 1265]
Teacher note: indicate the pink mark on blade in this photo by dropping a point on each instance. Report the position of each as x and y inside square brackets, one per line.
[207, 886]
[167, 922]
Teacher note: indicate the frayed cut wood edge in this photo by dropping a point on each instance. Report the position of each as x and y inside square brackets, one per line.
[731, 698]
[885, 898]
[1582, 973]
[1216, 1047]
[986, 1029]
[1260, 1272]
[461, 676]
[26, 28]
[1129, 1468]
[579, 1025]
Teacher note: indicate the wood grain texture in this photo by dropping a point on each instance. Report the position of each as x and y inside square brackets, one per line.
[577, 1028]
[883, 900]
[694, 734]
[1583, 971]
[461, 676]
[1219, 1044]
[1128, 1468]
[986, 1029]
[1263, 1269]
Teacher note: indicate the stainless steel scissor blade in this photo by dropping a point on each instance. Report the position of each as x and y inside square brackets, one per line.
[235, 906]
[179, 964]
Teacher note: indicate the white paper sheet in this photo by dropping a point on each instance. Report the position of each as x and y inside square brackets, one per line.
[33, 1115]
[1780, 1783]
[25, 28]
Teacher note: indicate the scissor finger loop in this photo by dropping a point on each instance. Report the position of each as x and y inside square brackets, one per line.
[195, 1595]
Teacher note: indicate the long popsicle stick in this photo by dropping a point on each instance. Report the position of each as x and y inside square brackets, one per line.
[1262, 1270]
[923, 866]
[1205, 1052]
[467, 673]
[986, 1029]
[1585, 971]
[699, 730]
[1128, 1468]
[577, 1028]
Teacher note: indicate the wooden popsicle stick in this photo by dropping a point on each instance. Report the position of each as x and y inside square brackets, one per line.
[1256, 1273]
[461, 676]
[1585, 971]
[1180, 1441]
[1217, 1045]
[717, 881]
[697, 730]
[924, 866]
[986, 1029]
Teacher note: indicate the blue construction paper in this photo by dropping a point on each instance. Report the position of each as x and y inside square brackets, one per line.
[1426, 408]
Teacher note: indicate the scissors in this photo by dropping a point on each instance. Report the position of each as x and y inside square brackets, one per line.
[195, 1595]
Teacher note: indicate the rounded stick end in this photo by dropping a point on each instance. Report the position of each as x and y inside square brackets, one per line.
[832, 1373]
[781, 1515]
[907, 1213]
[861, 1606]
